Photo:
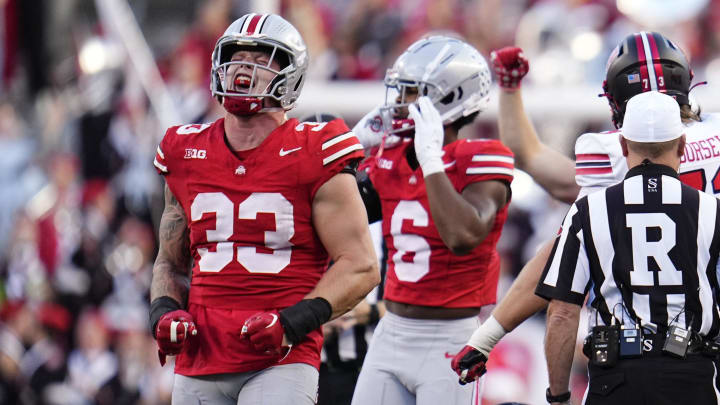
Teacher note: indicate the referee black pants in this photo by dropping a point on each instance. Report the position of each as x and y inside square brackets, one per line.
[656, 380]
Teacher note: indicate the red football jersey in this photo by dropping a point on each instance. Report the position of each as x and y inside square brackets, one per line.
[251, 231]
[421, 269]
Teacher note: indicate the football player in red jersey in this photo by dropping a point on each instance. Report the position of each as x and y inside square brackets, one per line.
[256, 206]
[443, 201]
[643, 61]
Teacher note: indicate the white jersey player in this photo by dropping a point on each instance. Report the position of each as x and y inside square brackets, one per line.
[599, 161]
[643, 61]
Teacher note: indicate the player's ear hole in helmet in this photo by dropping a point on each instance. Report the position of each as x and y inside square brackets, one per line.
[647, 61]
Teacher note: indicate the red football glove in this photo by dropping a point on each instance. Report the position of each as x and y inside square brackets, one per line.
[264, 331]
[469, 364]
[172, 331]
[510, 66]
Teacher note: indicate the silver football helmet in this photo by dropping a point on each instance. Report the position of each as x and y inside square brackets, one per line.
[271, 33]
[449, 71]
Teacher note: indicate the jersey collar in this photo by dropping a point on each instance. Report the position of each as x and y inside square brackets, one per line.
[649, 167]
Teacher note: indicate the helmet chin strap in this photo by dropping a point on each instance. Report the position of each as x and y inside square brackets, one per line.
[242, 105]
[404, 128]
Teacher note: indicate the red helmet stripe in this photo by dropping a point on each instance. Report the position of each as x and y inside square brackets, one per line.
[253, 24]
[652, 77]
[656, 63]
[644, 79]
[246, 23]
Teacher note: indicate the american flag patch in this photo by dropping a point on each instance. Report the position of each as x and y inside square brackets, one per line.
[634, 78]
[592, 163]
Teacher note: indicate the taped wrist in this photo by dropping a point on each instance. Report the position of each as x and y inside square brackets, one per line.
[487, 335]
[159, 307]
[432, 166]
[304, 317]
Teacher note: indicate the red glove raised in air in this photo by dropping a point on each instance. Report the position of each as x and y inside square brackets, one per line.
[173, 330]
[469, 364]
[510, 66]
[264, 331]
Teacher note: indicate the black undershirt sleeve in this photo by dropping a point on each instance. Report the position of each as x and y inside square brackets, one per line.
[370, 197]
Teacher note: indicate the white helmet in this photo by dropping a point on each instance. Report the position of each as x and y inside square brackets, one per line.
[284, 43]
[449, 71]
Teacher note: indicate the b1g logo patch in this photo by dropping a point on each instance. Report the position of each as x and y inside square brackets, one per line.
[195, 153]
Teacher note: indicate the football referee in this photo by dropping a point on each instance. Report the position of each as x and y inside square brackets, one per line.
[646, 251]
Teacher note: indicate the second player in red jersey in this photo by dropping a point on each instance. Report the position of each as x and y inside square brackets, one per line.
[443, 202]
[422, 270]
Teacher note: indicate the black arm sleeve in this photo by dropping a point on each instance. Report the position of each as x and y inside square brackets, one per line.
[370, 197]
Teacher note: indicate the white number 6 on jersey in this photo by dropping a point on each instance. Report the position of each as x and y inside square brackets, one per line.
[404, 243]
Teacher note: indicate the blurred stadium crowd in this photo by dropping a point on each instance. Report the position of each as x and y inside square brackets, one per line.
[79, 122]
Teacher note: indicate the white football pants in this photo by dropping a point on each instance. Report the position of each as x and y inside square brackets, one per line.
[279, 385]
[408, 363]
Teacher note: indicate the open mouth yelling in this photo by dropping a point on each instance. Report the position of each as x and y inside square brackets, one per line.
[242, 83]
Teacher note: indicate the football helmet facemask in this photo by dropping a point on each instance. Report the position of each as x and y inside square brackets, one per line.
[263, 32]
[449, 71]
[645, 61]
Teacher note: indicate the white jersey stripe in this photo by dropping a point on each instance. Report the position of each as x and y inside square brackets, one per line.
[649, 61]
[633, 189]
[337, 140]
[674, 308]
[160, 166]
[160, 152]
[604, 248]
[671, 190]
[551, 278]
[706, 229]
[342, 153]
[493, 158]
[582, 268]
[641, 306]
[489, 170]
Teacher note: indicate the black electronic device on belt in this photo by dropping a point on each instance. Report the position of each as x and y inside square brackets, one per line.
[604, 344]
[631, 339]
[630, 342]
[677, 341]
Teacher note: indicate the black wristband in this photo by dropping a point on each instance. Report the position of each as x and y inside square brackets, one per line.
[304, 317]
[556, 398]
[159, 307]
[374, 315]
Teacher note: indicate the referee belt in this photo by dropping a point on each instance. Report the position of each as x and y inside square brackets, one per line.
[653, 345]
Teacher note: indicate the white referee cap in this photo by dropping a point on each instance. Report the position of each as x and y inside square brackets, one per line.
[652, 117]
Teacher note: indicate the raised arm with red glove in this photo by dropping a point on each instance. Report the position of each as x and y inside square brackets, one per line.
[510, 66]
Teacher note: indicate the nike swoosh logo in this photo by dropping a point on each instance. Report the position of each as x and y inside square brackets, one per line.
[285, 152]
[275, 318]
[448, 165]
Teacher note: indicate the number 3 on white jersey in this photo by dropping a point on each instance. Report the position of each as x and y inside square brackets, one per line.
[248, 256]
[404, 243]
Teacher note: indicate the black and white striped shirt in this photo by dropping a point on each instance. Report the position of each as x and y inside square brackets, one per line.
[649, 242]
